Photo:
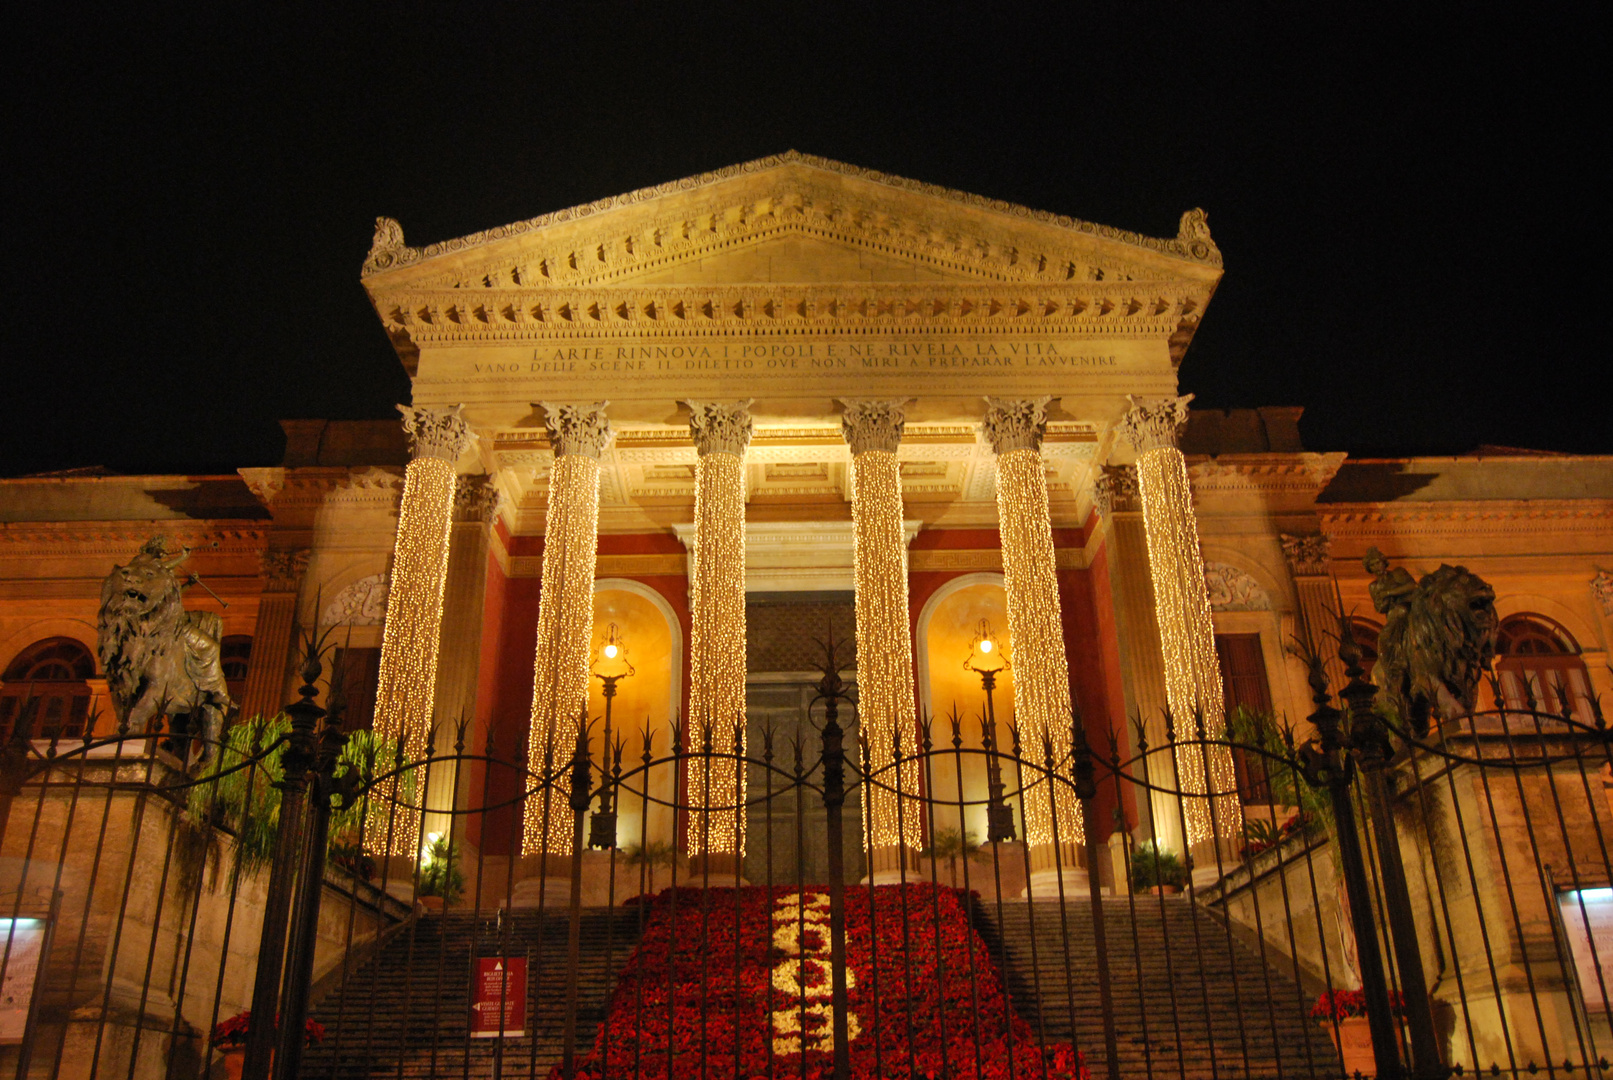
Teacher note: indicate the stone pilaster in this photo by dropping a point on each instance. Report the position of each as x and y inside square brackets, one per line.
[406, 687]
[1053, 822]
[721, 432]
[579, 434]
[283, 571]
[873, 429]
[476, 502]
[1141, 661]
[1310, 565]
[1187, 634]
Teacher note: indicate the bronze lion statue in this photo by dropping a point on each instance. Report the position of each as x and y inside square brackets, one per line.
[159, 659]
[1438, 639]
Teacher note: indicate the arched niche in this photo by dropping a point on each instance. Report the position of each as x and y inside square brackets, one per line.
[946, 629]
[650, 697]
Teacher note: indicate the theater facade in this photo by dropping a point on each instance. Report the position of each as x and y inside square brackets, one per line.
[718, 417]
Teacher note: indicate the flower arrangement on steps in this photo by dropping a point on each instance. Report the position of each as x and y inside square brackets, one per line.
[1344, 1014]
[229, 1039]
[737, 982]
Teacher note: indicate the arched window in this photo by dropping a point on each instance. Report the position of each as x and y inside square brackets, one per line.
[234, 654]
[1536, 656]
[55, 673]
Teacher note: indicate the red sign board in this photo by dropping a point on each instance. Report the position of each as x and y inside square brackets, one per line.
[498, 997]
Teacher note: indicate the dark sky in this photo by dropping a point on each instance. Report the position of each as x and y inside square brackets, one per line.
[1407, 211]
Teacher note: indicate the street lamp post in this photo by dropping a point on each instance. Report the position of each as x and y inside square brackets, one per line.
[999, 817]
[612, 656]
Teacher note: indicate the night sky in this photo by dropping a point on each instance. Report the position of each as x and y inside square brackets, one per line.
[1406, 211]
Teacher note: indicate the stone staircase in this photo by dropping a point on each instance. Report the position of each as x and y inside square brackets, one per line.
[406, 1012]
[1188, 1003]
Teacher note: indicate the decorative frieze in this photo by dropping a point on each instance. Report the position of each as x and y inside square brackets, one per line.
[1015, 425]
[1153, 423]
[873, 424]
[1115, 490]
[362, 603]
[283, 569]
[1230, 589]
[720, 427]
[576, 428]
[1308, 556]
[436, 433]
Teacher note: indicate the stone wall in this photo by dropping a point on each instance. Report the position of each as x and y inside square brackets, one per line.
[153, 936]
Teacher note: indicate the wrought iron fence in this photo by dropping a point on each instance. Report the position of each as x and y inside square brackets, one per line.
[1451, 887]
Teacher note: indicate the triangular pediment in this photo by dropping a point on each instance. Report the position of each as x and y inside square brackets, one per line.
[790, 218]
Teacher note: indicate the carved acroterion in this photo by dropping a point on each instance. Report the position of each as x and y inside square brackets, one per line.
[720, 427]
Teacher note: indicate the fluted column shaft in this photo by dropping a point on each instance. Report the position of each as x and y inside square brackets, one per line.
[721, 432]
[1309, 561]
[579, 434]
[407, 683]
[1187, 634]
[885, 706]
[1035, 622]
[266, 668]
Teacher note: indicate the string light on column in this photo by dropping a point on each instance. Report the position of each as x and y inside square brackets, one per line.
[407, 681]
[884, 637]
[579, 434]
[1186, 631]
[1035, 622]
[721, 433]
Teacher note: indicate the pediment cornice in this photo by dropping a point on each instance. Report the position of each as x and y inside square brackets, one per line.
[451, 316]
[653, 229]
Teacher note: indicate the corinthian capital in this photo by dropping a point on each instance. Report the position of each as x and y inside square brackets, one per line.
[476, 498]
[577, 428]
[1115, 489]
[720, 427]
[436, 433]
[283, 569]
[1308, 556]
[1155, 422]
[873, 424]
[1012, 424]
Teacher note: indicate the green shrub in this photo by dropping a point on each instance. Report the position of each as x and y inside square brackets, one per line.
[1152, 865]
[440, 873]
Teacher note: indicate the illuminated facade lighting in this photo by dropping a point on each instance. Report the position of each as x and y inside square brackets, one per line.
[1035, 621]
[721, 433]
[1182, 605]
[579, 434]
[405, 690]
[885, 703]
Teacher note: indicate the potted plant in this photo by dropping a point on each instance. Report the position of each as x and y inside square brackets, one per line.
[951, 845]
[1344, 1014]
[441, 879]
[1157, 870]
[649, 858]
[229, 1039]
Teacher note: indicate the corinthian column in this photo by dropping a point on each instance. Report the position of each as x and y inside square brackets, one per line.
[721, 433]
[1182, 605]
[884, 638]
[408, 677]
[1035, 625]
[579, 434]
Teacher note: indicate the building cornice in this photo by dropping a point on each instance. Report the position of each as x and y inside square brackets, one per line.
[120, 539]
[803, 194]
[1304, 473]
[1468, 518]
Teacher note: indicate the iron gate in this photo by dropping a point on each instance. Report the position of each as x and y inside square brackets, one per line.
[1454, 888]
